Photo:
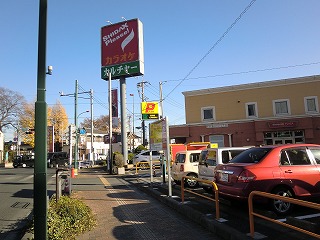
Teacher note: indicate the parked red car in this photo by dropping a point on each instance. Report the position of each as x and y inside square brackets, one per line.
[291, 170]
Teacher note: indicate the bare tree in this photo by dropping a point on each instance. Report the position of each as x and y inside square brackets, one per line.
[101, 123]
[10, 107]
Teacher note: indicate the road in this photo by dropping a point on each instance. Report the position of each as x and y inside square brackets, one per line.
[16, 191]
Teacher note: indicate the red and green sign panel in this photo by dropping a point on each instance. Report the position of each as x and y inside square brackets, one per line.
[122, 49]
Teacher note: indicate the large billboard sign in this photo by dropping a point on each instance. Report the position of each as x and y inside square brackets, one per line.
[122, 49]
[150, 110]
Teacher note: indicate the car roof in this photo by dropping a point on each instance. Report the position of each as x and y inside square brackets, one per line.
[290, 145]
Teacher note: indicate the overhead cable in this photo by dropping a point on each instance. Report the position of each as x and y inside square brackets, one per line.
[214, 45]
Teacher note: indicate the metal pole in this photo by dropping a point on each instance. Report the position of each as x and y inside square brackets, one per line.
[168, 155]
[133, 123]
[76, 124]
[92, 149]
[40, 168]
[161, 100]
[143, 123]
[124, 139]
[70, 156]
[110, 126]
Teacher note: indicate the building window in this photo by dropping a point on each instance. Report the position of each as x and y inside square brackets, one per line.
[208, 113]
[311, 104]
[251, 110]
[217, 139]
[281, 107]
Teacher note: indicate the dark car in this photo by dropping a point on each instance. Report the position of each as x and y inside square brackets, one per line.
[291, 170]
[23, 161]
[57, 159]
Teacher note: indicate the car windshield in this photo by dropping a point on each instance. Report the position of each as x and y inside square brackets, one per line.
[252, 155]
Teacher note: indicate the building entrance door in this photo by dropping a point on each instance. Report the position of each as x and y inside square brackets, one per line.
[283, 141]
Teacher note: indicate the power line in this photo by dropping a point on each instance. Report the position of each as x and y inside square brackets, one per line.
[214, 45]
[246, 72]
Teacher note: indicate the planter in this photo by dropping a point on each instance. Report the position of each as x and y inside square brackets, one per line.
[119, 170]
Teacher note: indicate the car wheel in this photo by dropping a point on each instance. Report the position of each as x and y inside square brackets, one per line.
[24, 165]
[281, 207]
[191, 182]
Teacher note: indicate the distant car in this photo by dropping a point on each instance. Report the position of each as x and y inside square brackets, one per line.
[143, 158]
[85, 164]
[57, 159]
[186, 164]
[291, 170]
[102, 156]
[23, 161]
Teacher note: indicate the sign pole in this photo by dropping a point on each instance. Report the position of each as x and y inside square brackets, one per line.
[110, 126]
[124, 140]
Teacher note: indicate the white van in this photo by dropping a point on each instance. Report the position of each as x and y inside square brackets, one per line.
[186, 164]
[211, 157]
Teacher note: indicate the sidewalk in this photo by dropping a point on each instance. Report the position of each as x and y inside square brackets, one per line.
[124, 212]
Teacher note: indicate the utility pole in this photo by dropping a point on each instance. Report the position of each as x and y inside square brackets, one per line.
[141, 84]
[76, 124]
[161, 99]
[91, 116]
[76, 96]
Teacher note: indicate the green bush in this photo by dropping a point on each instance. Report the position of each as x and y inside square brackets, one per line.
[140, 148]
[118, 159]
[68, 218]
[130, 157]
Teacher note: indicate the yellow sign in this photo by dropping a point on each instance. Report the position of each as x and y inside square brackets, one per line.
[149, 108]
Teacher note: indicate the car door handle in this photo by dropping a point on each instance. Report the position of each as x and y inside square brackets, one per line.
[288, 171]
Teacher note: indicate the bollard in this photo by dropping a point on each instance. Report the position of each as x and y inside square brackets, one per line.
[66, 185]
[72, 173]
[154, 169]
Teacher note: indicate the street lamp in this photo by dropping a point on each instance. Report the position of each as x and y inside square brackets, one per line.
[76, 145]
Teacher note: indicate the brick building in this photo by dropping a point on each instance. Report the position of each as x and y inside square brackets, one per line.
[271, 112]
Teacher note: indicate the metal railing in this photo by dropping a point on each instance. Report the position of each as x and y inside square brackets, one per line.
[145, 165]
[282, 198]
[214, 187]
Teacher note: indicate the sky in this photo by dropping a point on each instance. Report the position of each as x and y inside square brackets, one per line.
[188, 45]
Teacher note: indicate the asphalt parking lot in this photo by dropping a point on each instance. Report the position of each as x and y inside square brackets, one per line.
[234, 216]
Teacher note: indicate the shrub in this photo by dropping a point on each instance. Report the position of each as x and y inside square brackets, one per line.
[140, 148]
[118, 160]
[68, 218]
[130, 157]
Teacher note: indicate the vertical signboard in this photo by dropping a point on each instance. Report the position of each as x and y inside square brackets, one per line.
[114, 100]
[122, 49]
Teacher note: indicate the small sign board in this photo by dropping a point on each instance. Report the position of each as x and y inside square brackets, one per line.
[150, 110]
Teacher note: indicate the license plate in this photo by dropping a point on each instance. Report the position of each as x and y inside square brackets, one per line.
[224, 177]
